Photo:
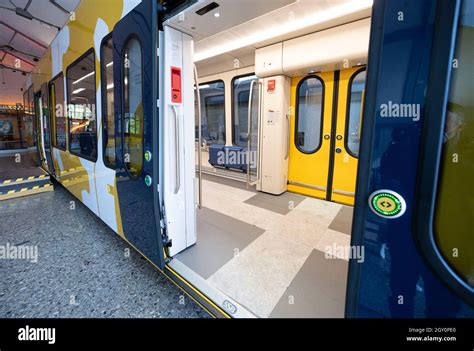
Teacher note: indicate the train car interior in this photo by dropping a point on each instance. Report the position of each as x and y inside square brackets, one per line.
[270, 137]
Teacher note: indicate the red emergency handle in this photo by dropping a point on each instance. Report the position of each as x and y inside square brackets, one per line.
[176, 90]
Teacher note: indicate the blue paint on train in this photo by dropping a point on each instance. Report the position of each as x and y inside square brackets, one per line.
[394, 280]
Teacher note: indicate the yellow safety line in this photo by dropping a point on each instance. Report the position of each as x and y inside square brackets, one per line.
[197, 291]
[179, 277]
[13, 194]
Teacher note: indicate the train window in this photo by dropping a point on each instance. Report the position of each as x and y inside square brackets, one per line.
[354, 112]
[455, 202]
[45, 109]
[240, 108]
[212, 112]
[58, 112]
[133, 107]
[108, 120]
[309, 114]
[81, 92]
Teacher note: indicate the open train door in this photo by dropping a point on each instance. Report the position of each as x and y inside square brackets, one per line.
[135, 67]
[415, 200]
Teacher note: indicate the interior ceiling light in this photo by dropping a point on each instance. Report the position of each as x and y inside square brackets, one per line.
[284, 28]
[207, 8]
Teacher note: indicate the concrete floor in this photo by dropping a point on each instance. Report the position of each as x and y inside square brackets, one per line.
[83, 269]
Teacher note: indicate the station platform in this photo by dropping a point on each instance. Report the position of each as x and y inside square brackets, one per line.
[21, 176]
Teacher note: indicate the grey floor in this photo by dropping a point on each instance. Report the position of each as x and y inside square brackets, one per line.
[319, 286]
[83, 269]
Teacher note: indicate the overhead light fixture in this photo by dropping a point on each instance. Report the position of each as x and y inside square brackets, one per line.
[285, 27]
[77, 91]
[82, 78]
[217, 15]
[208, 8]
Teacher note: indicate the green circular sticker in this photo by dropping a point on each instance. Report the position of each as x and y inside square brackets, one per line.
[147, 156]
[387, 203]
[148, 180]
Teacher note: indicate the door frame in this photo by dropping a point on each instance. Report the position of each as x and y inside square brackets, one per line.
[39, 129]
[427, 173]
[428, 177]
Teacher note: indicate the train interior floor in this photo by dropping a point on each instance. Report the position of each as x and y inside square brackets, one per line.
[269, 253]
[18, 164]
[20, 175]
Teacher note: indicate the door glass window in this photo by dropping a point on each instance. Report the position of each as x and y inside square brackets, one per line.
[240, 106]
[454, 218]
[108, 117]
[58, 112]
[354, 112]
[45, 115]
[212, 113]
[81, 92]
[309, 115]
[133, 107]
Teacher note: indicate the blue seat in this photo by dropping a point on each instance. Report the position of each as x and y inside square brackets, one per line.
[230, 157]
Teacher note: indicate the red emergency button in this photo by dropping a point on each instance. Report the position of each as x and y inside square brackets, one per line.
[176, 90]
[271, 85]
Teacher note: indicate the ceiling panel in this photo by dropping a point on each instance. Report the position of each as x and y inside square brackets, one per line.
[231, 13]
[27, 36]
[25, 45]
[259, 29]
[5, 34]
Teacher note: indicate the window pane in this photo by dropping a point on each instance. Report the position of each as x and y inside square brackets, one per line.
[45, 115]
[108, 117]
[309, 115]
[455, 204]
[133, 107]
[355, 113]
[240, 105]
[212, 113]
[59, 115]
[81, 91]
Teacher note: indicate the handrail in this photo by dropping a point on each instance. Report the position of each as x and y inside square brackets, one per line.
[288, 129]
[198, 97]
[176, 143]
[252, 85]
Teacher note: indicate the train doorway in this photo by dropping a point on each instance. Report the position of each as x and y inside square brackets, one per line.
[253, 242]
[326, 111]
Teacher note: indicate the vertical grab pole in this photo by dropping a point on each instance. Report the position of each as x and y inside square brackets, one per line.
[249, 117]
[198, 97]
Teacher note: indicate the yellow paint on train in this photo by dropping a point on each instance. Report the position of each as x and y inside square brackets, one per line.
[345, 164]
[310, 170]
